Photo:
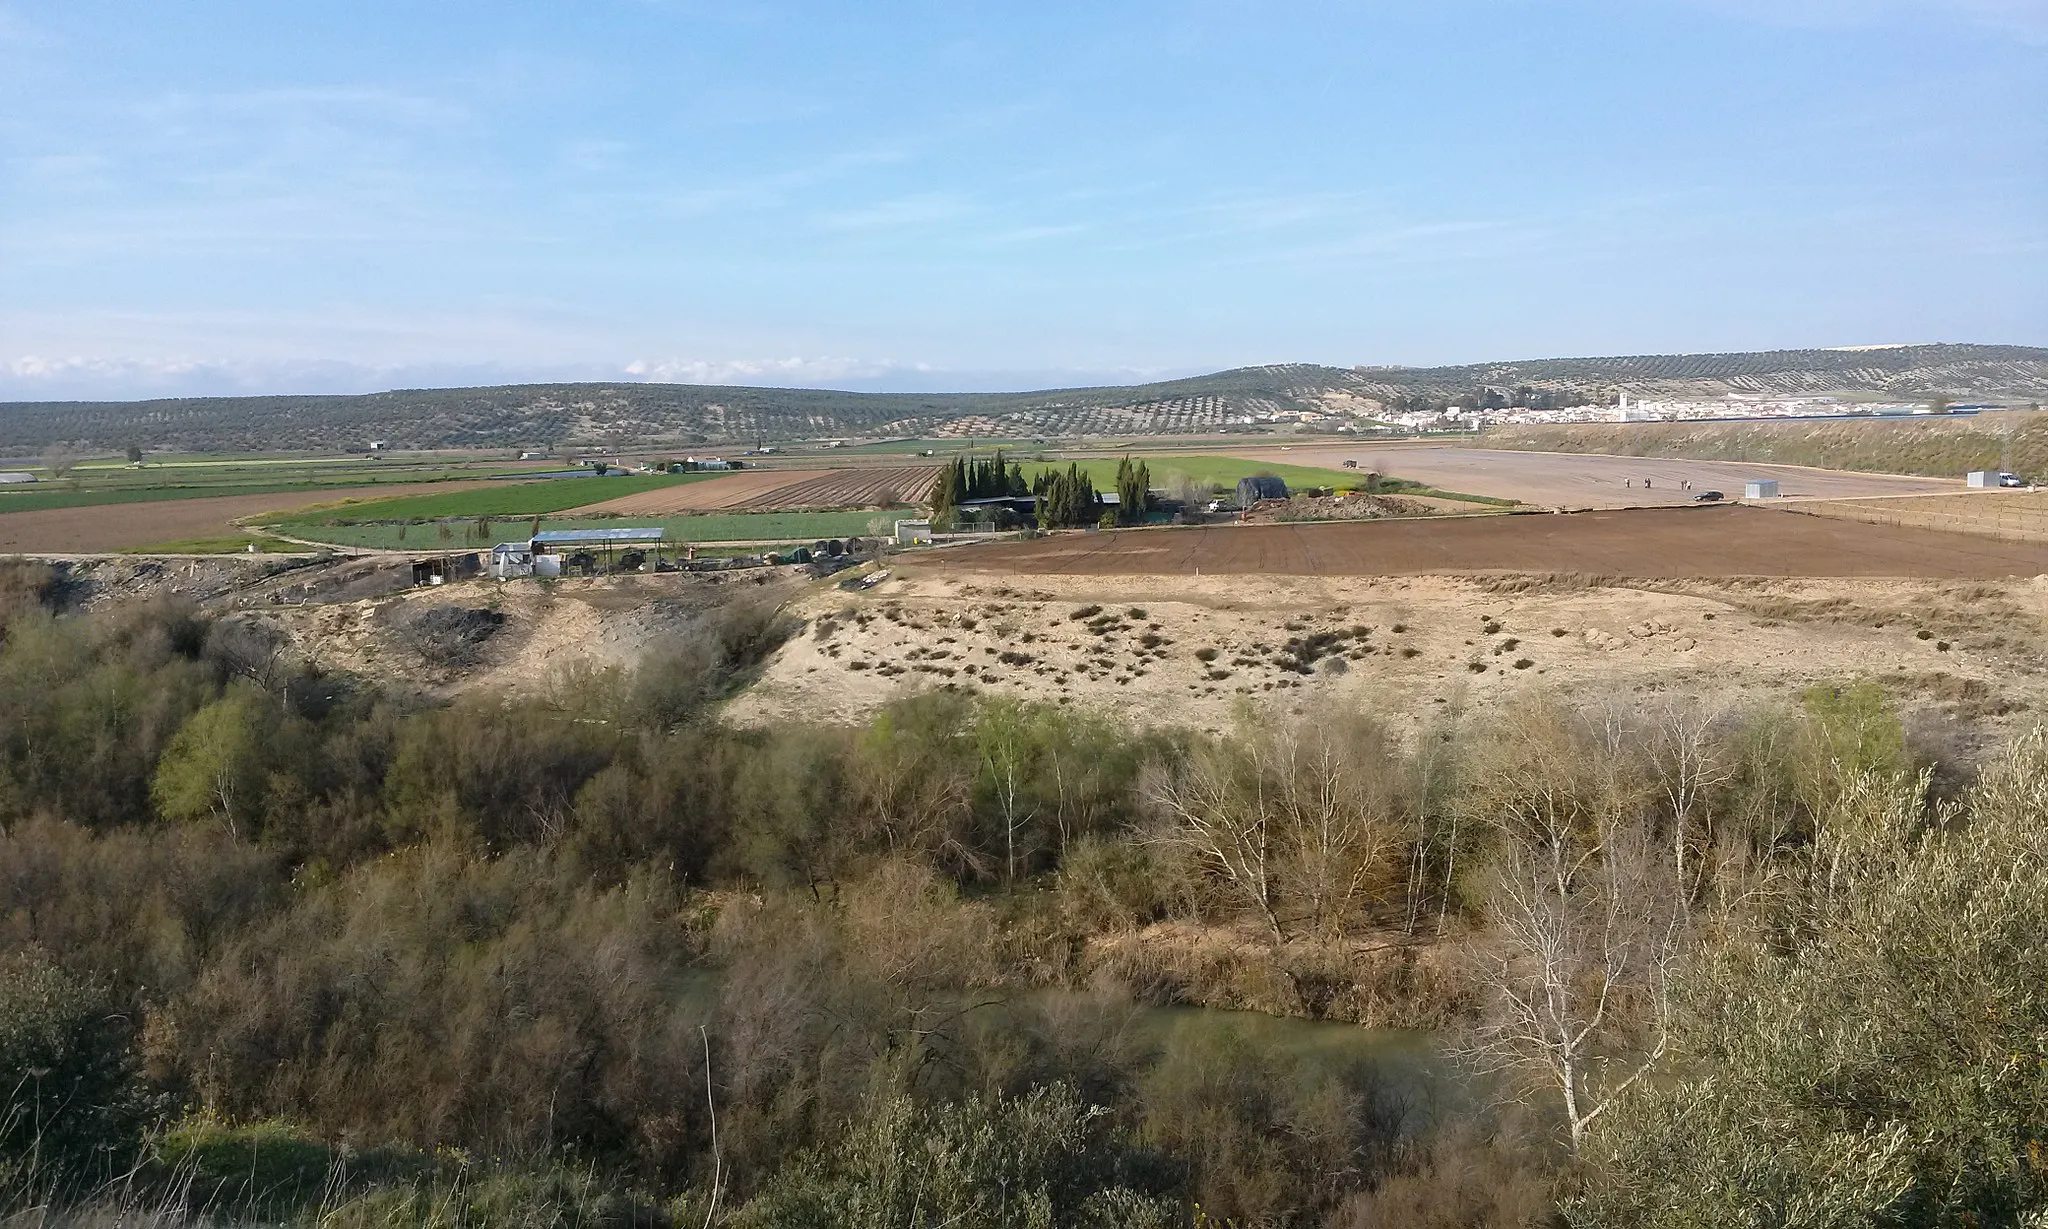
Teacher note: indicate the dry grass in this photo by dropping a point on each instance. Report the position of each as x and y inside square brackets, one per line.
[2011, 516]
[1939, 446]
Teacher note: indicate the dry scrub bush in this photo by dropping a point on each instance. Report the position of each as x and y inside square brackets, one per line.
[1270, 1135]
[431, 999]
[496, 774]
[1303, 827]
[26, 586]
[1478, 1176]
[143, 909]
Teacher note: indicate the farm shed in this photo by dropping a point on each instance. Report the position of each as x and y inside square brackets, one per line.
[1981, 478]
[913, 533]
[1263, 486]
[440, 569]
[511, 560]
[560, 545]
[1760, 488]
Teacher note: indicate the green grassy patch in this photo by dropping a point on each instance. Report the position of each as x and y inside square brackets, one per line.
[272, 1172]
[1222, 474]
[510, 498]
[149, 484]
[30, 501]
[1216, 473]
[232, 544]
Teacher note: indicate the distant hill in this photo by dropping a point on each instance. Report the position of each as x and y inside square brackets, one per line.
[533, 415]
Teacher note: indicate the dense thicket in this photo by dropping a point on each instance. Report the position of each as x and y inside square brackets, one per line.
[285, 949]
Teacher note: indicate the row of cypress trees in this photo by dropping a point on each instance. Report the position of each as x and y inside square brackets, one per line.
[965, 478]
[1065, 498]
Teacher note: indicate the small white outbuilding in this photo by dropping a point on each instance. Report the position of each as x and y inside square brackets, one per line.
[1760, 488]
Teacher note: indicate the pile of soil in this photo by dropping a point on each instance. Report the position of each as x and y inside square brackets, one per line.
[1336, 508]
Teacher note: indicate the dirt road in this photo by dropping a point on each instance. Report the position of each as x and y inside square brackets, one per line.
[1566, 480]
[115, 527]
[1688, 542]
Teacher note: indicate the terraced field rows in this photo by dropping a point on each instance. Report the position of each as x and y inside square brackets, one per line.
[772, 490]
[855, 488]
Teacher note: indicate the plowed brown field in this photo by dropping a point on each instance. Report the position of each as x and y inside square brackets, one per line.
[766, 490]
[115, 527]
[1687, 542]
[1559, 480]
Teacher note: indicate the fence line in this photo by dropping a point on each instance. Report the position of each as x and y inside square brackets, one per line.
[2005, 523]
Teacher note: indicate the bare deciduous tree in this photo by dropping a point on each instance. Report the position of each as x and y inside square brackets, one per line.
[61, 458]
[1215, 813]
[1586, 936]
[1688, 753]
[1005, 750]
[1335, 786]
[1296, 822]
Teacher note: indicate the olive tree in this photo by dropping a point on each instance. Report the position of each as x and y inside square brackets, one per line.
[1876, 1054]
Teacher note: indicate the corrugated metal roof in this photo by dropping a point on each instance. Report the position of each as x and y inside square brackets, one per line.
[563, 536]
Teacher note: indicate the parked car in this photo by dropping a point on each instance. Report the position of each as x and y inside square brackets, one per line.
[1708, 497]
[2011, 480]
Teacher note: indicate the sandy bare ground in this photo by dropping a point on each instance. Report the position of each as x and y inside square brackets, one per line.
[1671, 542]
[553, 634]
[113, 527]
[1565, 480]
[1412, 649]
[771, 489]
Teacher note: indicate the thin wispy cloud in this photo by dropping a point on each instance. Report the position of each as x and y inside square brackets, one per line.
[2025, 18]
[255, 197]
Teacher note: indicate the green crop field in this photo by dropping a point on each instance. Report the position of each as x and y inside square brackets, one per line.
[1220, 472]
[508, 499]
[94, 484]
[470, 534]
[232, 544]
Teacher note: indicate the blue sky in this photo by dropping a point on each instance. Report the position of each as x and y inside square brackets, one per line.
[310, 196]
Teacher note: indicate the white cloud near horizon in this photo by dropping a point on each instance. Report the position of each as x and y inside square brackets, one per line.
[75, 378]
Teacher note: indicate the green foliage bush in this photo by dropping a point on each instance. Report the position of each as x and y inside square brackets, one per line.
[1890, 1065]
[1034, 1162]
[72, 1108]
